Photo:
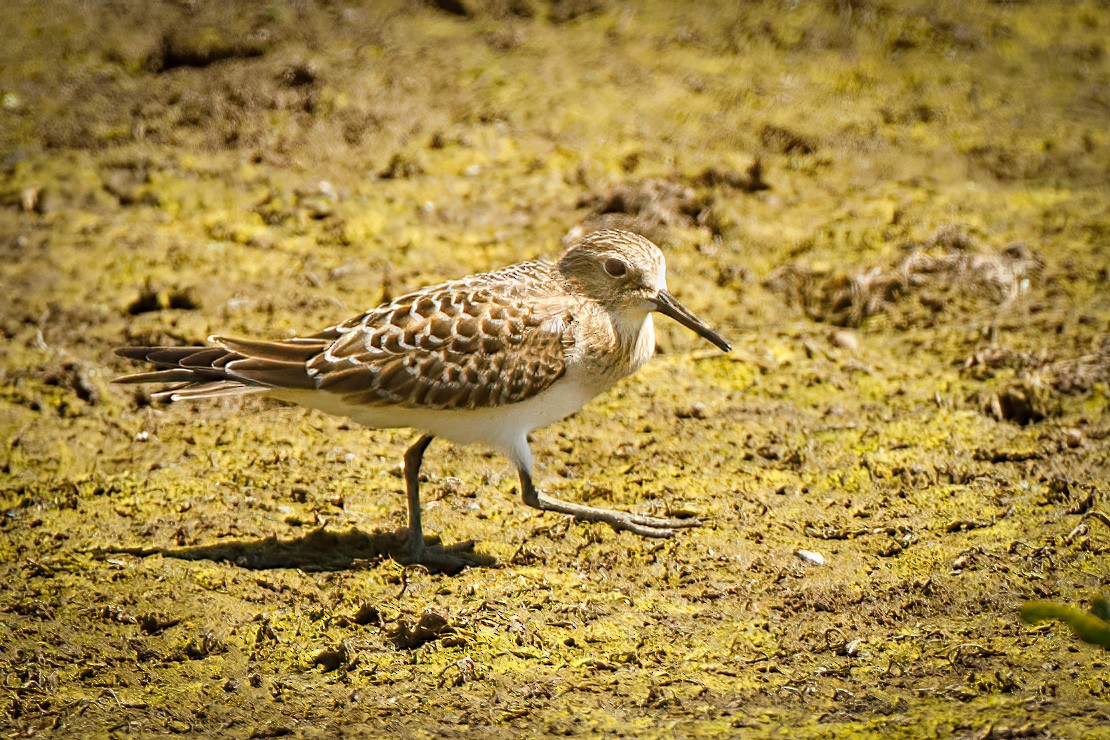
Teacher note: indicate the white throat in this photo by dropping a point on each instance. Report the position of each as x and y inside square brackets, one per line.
[638, 332]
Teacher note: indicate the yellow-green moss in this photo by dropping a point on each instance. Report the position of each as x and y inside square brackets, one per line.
[275, 189]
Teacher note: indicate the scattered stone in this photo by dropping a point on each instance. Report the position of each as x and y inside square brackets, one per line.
[845, 339]
[29, 199]
[809, 556]
[1073, 438]
[698, 410]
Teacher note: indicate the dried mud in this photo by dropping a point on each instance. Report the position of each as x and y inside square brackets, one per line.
[898, 213]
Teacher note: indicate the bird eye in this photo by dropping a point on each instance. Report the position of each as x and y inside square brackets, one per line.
[615, 268]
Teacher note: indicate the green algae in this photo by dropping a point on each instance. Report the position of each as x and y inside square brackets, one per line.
[201, 569]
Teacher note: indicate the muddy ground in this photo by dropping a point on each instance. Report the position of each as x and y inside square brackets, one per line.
[898, 213]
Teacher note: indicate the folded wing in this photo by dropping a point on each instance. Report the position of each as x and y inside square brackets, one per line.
[456, 347]
[474, 343]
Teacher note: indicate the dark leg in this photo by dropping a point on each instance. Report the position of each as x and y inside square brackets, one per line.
[645, 526]
[437, 558]
[414, 457]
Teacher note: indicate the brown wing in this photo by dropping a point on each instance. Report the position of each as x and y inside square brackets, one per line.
[474, 343]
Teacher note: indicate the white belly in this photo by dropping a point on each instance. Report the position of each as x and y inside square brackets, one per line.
[501, 427]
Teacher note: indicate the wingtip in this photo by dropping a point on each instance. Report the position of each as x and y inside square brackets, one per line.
[132, 353]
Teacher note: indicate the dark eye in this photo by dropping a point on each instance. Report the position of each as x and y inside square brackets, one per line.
[615, 268]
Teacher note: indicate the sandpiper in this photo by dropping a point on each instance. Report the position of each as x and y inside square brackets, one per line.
[486, 358]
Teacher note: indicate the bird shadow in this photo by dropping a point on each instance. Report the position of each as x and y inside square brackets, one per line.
[319, 550]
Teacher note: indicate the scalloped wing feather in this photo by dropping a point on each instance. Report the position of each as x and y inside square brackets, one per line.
[474, 343]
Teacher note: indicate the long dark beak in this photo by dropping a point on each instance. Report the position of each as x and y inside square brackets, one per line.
[668, 305]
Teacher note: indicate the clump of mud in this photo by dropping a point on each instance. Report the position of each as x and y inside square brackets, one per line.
[654, 206]
[1037, 380]
[948, 272]
[650, 207]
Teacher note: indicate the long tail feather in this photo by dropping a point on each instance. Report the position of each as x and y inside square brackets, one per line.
[197, 391]
[159, 376]
[232, 367]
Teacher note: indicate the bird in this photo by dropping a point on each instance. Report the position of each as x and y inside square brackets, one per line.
[486, 358]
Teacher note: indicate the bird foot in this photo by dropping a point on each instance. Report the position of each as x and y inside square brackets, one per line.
[438, 558]
[645, 526]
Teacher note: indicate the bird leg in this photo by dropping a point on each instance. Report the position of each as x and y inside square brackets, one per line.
[645, 526]
[414, 458]
[448, 560]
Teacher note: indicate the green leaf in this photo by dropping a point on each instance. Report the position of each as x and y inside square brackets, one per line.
[1087, 626]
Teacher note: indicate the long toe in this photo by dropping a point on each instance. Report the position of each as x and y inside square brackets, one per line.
[645, 526]
[643, 531]
[660, 522]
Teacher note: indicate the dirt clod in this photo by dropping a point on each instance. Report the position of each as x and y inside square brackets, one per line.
[431, 626]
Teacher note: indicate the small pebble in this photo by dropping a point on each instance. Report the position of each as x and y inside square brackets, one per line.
[845, 340]
[697, 411]
[29, 198]
[811, 557]
[1073, 438]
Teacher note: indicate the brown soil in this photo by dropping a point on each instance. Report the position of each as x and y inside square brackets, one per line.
[897, 212]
